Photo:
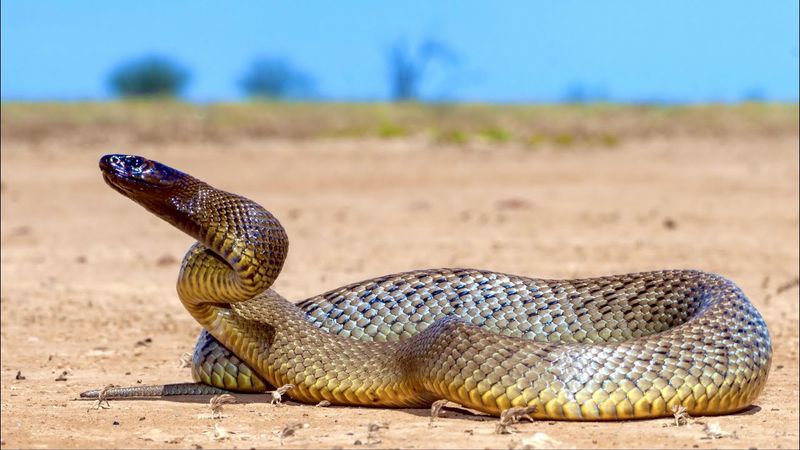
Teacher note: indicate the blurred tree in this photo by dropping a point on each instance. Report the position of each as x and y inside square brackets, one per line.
[407, 67]
[754, 94]
[578, 92]
[151, 76]
[274, 78]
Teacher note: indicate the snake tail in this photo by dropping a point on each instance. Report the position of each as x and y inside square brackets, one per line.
[161, 390]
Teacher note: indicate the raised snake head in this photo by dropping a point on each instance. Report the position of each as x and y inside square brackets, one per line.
[162, 190]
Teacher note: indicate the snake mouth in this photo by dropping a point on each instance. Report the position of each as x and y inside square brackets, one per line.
[124, 185]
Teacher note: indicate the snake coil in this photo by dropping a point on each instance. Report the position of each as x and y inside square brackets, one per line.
[615, 347]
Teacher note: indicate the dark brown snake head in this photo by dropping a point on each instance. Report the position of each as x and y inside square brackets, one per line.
[162, 190]
[136, 175]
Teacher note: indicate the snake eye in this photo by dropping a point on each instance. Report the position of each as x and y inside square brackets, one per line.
[138, 164]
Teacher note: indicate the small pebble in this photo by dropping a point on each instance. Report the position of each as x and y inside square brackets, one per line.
[144, 342]
[166, 260]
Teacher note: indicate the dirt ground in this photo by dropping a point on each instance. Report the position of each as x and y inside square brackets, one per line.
[88, 295]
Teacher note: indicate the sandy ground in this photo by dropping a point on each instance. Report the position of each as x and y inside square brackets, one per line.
[88, 276]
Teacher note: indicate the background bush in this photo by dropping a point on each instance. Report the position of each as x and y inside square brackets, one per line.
[152, 76]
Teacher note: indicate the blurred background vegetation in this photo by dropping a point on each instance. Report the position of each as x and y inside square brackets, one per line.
[423, 74]
[284, 103]
[270, 78]
[276, 78]
[531, 126]
[149, 77]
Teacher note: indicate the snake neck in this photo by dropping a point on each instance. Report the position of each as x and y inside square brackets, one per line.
[240, 251]
[243, 246]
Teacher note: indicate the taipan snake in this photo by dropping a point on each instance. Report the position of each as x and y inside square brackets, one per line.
[615, 347]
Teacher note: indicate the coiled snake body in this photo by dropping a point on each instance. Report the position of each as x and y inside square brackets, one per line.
[615, 347]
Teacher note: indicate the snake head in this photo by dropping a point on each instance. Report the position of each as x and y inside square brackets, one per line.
[130, 174]
[166, 192]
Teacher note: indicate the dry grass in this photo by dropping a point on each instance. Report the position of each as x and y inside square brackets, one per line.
[530, 125]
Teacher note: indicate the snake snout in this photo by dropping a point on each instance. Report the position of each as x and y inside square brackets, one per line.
[122, 164]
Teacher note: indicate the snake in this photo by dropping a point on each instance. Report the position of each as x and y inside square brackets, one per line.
[629, 346]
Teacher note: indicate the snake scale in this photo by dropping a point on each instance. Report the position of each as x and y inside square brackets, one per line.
[615, 347]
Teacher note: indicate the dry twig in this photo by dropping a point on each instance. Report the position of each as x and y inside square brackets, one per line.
[714, 431]
[219, 433]
[216, 403]
[185, 360]
[682, 418]
[436, 409]
[277, 394]
[512, 416]
[102, 397]
[787, 286]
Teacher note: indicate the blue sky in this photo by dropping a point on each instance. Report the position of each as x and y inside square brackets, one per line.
[508, 51]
